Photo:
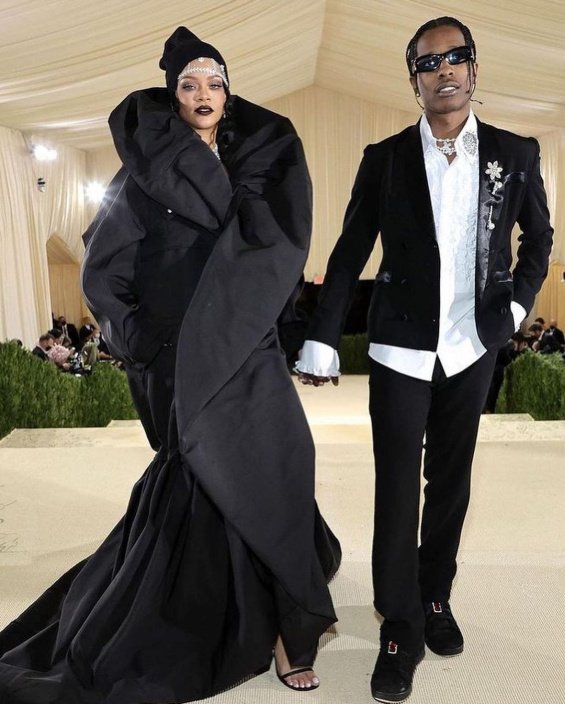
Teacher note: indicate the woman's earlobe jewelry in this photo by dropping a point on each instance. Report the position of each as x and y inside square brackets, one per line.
[417, 93]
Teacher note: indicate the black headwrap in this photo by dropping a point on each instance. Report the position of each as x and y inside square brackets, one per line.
[181, 48]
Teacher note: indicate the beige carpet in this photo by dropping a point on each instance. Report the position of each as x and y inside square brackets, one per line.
[61, 491]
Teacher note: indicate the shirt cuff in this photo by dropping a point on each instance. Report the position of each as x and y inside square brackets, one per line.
[318, 358]
[519, 313]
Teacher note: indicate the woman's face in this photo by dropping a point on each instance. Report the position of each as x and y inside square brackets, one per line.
[201, 99]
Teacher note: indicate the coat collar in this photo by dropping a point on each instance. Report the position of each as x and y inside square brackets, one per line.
[168, 160]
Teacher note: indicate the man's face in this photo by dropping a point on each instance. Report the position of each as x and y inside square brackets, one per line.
[448, 89]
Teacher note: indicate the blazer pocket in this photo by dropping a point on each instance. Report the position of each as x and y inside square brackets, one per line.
[502, 277]
[383, 277]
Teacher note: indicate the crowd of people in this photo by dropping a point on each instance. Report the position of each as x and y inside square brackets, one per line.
[71, 350]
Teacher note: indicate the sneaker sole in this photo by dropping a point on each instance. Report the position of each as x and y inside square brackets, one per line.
[392, 698]
[447, 653]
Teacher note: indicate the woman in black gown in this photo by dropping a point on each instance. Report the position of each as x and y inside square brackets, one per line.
[222, 553]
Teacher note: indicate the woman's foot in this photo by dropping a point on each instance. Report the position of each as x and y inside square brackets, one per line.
[300, 677]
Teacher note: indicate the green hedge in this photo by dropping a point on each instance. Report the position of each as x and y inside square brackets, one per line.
[535, 384]
[354, 354]
[35, 394]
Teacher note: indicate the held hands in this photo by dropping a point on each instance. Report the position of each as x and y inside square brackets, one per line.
[313, 380]
[317, 357]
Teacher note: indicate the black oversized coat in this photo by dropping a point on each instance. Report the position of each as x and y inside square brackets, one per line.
[222, 546]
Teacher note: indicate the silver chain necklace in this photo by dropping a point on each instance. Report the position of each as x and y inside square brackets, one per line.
[446, 146]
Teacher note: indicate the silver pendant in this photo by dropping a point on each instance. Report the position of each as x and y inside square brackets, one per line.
[446, 146]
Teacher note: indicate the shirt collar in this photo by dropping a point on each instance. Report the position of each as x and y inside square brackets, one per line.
[467, 142]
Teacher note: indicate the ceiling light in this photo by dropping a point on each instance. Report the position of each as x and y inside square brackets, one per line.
[95, 192]
[42, 153]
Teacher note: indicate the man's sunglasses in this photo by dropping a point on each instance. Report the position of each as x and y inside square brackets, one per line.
[431, 62]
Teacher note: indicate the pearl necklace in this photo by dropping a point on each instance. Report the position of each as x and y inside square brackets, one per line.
[446, 147]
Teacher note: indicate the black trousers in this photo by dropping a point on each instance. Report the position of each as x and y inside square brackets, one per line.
[404, 409]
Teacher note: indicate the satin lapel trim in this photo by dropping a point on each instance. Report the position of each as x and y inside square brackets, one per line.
[418, 191]
[490, 202]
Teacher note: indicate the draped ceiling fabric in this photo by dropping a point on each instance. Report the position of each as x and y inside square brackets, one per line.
[336, 68]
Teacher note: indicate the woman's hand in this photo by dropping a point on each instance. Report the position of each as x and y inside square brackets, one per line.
[313, 380]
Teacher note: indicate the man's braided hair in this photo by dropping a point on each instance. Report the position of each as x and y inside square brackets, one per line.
[432, 24]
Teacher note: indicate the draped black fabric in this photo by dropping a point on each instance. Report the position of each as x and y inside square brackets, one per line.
[222, 546]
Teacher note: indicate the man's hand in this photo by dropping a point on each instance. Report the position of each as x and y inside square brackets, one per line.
[313, 380]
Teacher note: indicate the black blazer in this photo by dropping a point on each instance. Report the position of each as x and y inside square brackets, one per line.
[391, 196]
[40, 352]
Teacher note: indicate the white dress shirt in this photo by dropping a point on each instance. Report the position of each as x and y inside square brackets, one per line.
[454, 190]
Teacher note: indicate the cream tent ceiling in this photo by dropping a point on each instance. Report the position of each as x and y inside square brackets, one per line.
[64, 64]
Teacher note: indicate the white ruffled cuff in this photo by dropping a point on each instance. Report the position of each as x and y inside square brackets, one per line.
[318, 358]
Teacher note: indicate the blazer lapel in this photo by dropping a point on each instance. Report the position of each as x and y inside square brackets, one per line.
[491, 180]
[418, 192]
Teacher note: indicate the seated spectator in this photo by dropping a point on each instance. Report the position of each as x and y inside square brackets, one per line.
[59, 354]
[89, 353]
[557, 334]
[69, 330]
[548, 344]
[87, 328]
[520, 343]
[536, 331]
[44, 344]
[103, 350]
[540, 321]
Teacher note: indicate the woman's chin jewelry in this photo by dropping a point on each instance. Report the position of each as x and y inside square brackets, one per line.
[446, 146]
[214, 148]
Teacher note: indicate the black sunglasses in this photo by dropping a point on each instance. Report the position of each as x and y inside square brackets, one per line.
[431, 62]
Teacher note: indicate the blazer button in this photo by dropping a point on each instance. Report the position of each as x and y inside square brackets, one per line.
[434, 320]
[404, 317]
[503, 310]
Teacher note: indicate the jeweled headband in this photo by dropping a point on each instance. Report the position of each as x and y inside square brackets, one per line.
[215, 69]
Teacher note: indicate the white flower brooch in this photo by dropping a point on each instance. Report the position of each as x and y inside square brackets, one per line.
[494, 172]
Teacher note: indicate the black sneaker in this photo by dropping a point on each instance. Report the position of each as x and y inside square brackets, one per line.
[442, 634]
[393, 673]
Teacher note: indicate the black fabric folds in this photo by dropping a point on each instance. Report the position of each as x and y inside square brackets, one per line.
[222, 546]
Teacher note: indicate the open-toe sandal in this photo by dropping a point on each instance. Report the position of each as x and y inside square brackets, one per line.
[297, 671]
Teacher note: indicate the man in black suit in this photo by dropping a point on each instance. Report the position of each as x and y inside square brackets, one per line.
[553, 338]
[69, 330]
[44, 344]
[444, 195]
